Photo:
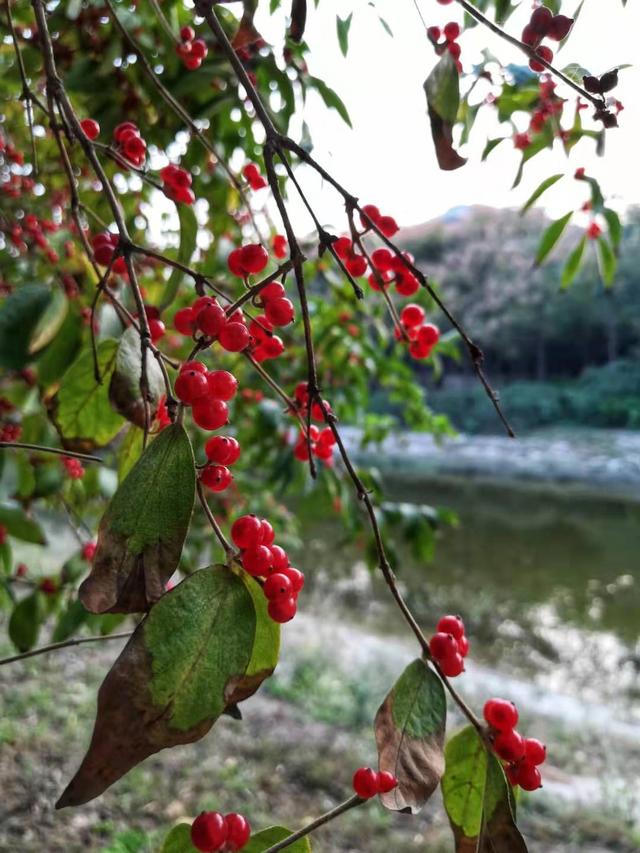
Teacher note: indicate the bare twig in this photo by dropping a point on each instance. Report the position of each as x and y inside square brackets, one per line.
[327, 817]
[53, 647]
[40, 448]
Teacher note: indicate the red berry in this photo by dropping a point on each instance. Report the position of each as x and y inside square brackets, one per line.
[356, 265]
[445, 2]
[267, 533]
[541, 19]
[342, 247]
[365, 783]
[234, 337]
[184, 321]
[278, 585]
[535, 752]
[202, 302]
[187, 33]
[463, 646]
[387, 224]
[90, 128]
[406, 283]
[386, 782]
[222, 384]
[257, 560]
[199, 49]
[234, 262]
[209, 832]
[509, 745]
[191, 385]
[156, 329]
[451, 31]
[530, 36]
[238, 832]
[273, 347]
[282, 609]
[254, 257]
[442, 645]
[279, 560]
[280, 247]
[528, 777]
[121, 130]
[382, 259]
[210, 413]
[222, 450]
[372, 212]
[501, 714]
[559, 27]
[295, 576]
[88, 551]
[210, 320]
[198, 366]
[246, 531]
[543, 52]
[412, 315]
[452, 665]
[273, 290]
[216, 477]
[451, 625]
[280, 311]
[433, 33]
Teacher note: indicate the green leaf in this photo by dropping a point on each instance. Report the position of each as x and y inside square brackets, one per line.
[25, 622]
[71, 618]
[188, 240]
[478, 799]
[409, 729]
[130, 451]
[20, 525]
[615, 226]
[575, 72]
[542, 188]
[50, 322]
[330, 98]
[266, 838]
[62, 350]
[83, 413]
[442, 88]
[343, 25]
[20, 314]
[179, 840]
[385, 26]
[551, 236]
[607, 262]
[124, 388]
[491, 144]
[572, 265]
[142, 532]
[186, 663]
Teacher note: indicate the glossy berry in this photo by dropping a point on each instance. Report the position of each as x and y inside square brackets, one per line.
[387, 224]
[356, 265]
[463, 646]
[451, 625]
[541, 20]
[412, 315]
[280, 311]
[246, 531]
[535, 752]
[282, 609]
[452, 665]
[442, 645]
[90, 128]
[234, 337]
[191, 385]
[210, 320]
[267, 533]
[278, 585]
[187, 33]
[451, 31]
[382, 259]
[501, 714]
[156, 329]
[209, 832]
[210, 413]
[184, 321]
[273, 290]
[216, 477]
[280, 246]
[559, 27]
[543, 52]
[257, 560]
[509, 745]
[365, 783]
[222, 384]
[433, 34]
[342, 247]
[279, 558]
[528, 777]
[238, 832]
[295, 576]
[222, 450]
[386, 782]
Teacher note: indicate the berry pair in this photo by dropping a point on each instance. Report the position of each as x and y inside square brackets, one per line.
[266, 344]
[369, 783]
[355, 264]
[252, 173]
[248, 260]
[544, 24]
[261, 557]
[279, 246]
[177, 184]
[449, 645]
[212, 832]
[74, 467]
[207, 316]
[522, 756]
[129, 143]
[451, 33]
[103, 245]
[393, 270]
[192, 51]
[385, 224]
[301, 395]
[422, 336]
[206, 392]
[222, 451]
[320, 442]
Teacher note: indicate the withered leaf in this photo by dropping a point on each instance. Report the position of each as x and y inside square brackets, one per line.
[171, 681]
[409, 728]
[124, 388]
[142, 532]
[478, 798]
[442, 88]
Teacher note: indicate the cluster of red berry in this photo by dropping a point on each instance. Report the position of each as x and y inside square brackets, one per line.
[212, 832]
[221, 451]
[522, 755]
[10, 432]
[206, 392]
[320, 441]
[129, 143]
[549, 106]
[13, 183]
[252, 173]
[422, 336]
[262, 558]
[192, 51]
[35, 229]
[544, 24]
[248, 260]
[177, 184]
[73, 467]
[451, 33]
[207, 316]
[385, 224]
[369, 783]
[103, 246]
[449, 645]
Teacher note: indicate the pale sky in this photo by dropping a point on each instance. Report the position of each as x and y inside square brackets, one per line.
[388, 160]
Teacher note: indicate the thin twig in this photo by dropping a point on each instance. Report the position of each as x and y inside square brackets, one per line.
[40, 448]
[229, 551]
[327, 817]
[63, 645]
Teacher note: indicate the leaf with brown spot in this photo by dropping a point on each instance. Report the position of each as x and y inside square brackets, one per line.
[142, 532]
[442, 88]
[409, 728]
[171, 681]
[478, 798]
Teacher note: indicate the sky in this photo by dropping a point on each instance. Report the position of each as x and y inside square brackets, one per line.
[387, 159]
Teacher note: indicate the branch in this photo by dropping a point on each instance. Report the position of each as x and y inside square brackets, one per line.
[229, 551]
[55, 646]
[40, 448]
[327, 817]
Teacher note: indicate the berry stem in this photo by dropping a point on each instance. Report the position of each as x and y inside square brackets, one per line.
[327, 817]
[53, 647]
[229, 551]
[40, 448]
